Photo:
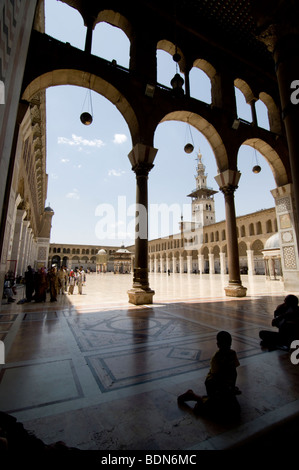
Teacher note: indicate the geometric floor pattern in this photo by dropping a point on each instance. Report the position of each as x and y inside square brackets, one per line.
[102, 374]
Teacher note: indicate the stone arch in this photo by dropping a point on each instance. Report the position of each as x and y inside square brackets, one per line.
[245, 89]
[216, 251]
[206, 67]
[171, 48]
[272, 157]
[257, 247]
[207, 129]
[115, 19]
[269, 226]
[273, 112]
[86, 80]
[242, 249]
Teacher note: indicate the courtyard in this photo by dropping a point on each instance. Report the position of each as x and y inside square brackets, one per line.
[101, 374]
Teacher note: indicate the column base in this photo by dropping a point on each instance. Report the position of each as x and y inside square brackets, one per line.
[138, 296]
[235, 290]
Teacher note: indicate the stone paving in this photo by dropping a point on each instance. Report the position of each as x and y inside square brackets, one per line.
[99, 373]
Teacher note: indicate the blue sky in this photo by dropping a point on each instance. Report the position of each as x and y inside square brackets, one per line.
[88, 166]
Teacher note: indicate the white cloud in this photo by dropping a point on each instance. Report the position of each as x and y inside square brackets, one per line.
[64, 160]
[79, 141]
[73, 194]
[114, 172]
[119, 138]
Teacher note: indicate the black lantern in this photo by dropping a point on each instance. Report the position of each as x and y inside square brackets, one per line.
[86, 118]
[189, 148]
[177, 82]
[256, 169]
[176, 57]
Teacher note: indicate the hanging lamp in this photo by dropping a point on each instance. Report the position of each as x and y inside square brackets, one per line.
[177, 81]
[86, 116]
[256, 168]
[189, 147]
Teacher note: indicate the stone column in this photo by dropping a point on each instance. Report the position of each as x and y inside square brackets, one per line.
[166, 263]
[15, 252]
[173, 263]
[228, 183]
[181, 264]
[222, 263]
[23, 246]
[201, 263]
[189, 263]
[288, 242]
[211, 264]
[250, 262]
[156, 264]
[280, 33]
[28, 248]
[150, 265]
[141, 158]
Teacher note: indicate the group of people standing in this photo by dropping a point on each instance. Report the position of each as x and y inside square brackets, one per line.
[54, 281]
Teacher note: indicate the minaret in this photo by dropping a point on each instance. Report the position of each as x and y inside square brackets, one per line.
[203, 206]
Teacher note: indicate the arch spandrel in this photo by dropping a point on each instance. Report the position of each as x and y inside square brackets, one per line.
[272, 157]
[85, 80]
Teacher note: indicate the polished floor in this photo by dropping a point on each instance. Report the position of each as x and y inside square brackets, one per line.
[99, 373]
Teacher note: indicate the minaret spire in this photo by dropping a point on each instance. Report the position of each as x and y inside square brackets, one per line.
[203, 209]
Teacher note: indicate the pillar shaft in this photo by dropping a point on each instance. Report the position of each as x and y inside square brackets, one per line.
[141, 158]
[232, 238]
[141, 228]
[227, 182]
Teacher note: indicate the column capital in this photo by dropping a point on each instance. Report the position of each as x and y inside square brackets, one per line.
[276, 23]
[228, 180]
[142, 169]
[142, 157]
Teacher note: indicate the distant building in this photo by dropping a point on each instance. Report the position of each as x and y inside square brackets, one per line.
[199, 247]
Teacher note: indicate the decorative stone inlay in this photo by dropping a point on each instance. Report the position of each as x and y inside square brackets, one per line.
[287, 236]
[285, 221]
[283, 205]
[289, 257]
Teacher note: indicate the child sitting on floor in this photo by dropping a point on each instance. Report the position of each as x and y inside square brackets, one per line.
[220, 382]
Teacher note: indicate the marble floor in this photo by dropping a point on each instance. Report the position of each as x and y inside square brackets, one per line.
[99, 373]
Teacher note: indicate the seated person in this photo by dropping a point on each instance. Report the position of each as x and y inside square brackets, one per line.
[286, 319]
[220, 382]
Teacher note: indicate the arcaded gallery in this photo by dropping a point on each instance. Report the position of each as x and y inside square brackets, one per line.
[105, 366]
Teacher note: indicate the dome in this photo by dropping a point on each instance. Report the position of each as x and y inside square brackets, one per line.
[122, 250]
[102, 252]
[273, 242]
[48, 209]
